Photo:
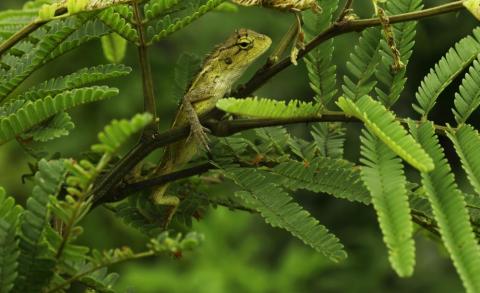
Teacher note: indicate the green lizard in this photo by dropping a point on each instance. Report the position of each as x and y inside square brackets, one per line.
[220, 70]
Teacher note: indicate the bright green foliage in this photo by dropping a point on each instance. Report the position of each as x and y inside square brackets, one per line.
[383, 124]
[467, 99]
[384, 177]
[156, 8]
[36, 261]
[277, 208]
[450, 210]
[90, 30]
[119, 24]
[267, 108]
[321, 73]
[115, 134]
[467, 142]
[83, 77]
[392, 83]
[445, 71]
[114, 47]
[34, 112]
[13, 20]
[9, 251]
[60, 125]
[28, 63]
[165, 28]
[323, 175]
[363, 64]
[329, 139]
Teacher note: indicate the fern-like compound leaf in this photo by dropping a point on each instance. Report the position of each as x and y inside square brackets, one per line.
[34, 112]
[278, 209]
[36, 261]
[445, 71]
[466, 140]
[166, 28]
[119, 24]
[321, 71]
[384, 177]
[155, 8]
[326, 175]
[363, 64]
[9, 251]
[467, 99]
[382, 123]
[81, 78]
[267, 108]
[329, 139]
[392, 83]
[90, 30]
[60, 125]
[449, 209]
[28, 63]
[117, 132]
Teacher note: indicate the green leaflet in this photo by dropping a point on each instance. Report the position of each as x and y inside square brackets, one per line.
[155, 8]
[329, 139]
[28, 63]
[332, 176]
[91, 30]
[445, 71]
[36, 261]
[467, 99]
[34, 112]
[60, 125]
[165, 27]
[383, 124]
[363, 64]
[392, 84]
[384, 177]
[114, 47]
[467, 143]
[450, 210]
[277, 208]
[119, 24]
[83, 77]
[117, 132]
[321, 71]
[9, 251]
[266, 108]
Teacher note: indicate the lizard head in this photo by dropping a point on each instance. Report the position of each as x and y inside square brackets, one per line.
[240, 50]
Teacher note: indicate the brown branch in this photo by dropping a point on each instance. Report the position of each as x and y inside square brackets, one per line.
[147, 78]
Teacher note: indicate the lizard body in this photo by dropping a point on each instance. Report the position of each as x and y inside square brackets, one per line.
[220, 70]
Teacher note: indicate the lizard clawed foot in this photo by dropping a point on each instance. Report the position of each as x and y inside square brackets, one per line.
[199, 133]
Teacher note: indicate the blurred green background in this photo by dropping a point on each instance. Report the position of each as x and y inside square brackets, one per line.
[241, 253]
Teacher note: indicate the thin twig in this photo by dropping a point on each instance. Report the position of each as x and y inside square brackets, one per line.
[147, 78]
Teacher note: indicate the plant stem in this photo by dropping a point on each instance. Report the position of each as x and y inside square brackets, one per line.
[147, 78]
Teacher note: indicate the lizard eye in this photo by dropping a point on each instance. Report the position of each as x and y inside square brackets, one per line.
[245, 43]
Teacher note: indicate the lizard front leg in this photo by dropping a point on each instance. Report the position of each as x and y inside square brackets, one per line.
[196, 128]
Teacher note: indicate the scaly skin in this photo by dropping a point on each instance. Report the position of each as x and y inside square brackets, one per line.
[220, 70]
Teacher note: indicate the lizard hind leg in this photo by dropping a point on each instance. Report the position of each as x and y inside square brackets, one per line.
[159, 198]
[299, 40]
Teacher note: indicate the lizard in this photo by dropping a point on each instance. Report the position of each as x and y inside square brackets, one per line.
[295, 6]
[220, 70]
